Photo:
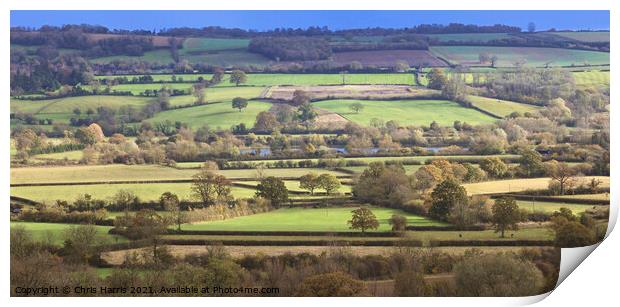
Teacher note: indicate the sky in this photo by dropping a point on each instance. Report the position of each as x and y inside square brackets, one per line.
[264, 20]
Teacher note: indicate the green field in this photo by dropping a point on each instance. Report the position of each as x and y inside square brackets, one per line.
[359, 169]
[160, 56]
[146, 192]
[200, 44]
[500, 107]
[54, 232]
[477, 37]
[508, 56]
[599, 196]
[280, 79]
[602, 36]
[593, 77]
[406, 112]
[228, 58]
[421, 159]
[69, 155]
[220, 94]
[549, 207]
[136, 89]
[62, 108]
[214, 115]
[121, 172]
[299, 219]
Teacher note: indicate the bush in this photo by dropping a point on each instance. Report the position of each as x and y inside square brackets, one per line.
[497, 275]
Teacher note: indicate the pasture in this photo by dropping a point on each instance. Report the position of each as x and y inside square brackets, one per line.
[69, 155]
[301, 219]
[53, 232]
[227, 58]
[268, 79]
[468, 37]
[62, 108]
[500, 107]
[145, 192]
[508, 56]
[223, 94]
[591, 78]
[550, 207]
[388, 58]
[591, 37]
[201, 44]
[158, 56]
[406, 112]
[214, 115]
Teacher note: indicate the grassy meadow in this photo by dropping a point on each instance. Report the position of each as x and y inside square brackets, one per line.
[214, 115]
[301, 219]
[500, 107]
[406, 112]
[53, 232]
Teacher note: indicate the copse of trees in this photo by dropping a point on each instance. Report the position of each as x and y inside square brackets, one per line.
[291, 48]
[384, 185]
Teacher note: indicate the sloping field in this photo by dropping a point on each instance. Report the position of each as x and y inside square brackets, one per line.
[326, 79]
[215, 115]
[65, 106]
[594, 77]
[146, 192]
[121, 172]
[388, 58]
[469, 37]
[352, 92]
[227, 58]
[500, 107]
[201, 44]
[518, 185]
[590, 37]
[549, 207]
[289, 79]
[406, 112]
[160, 56]
[54, 232]
[220, 94]
[508, 56]
[300, 219]
[139, 88]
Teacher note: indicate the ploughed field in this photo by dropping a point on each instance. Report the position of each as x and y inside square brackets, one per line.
[306, 219]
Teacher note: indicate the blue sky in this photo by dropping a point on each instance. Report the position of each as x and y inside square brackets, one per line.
[263, 20]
